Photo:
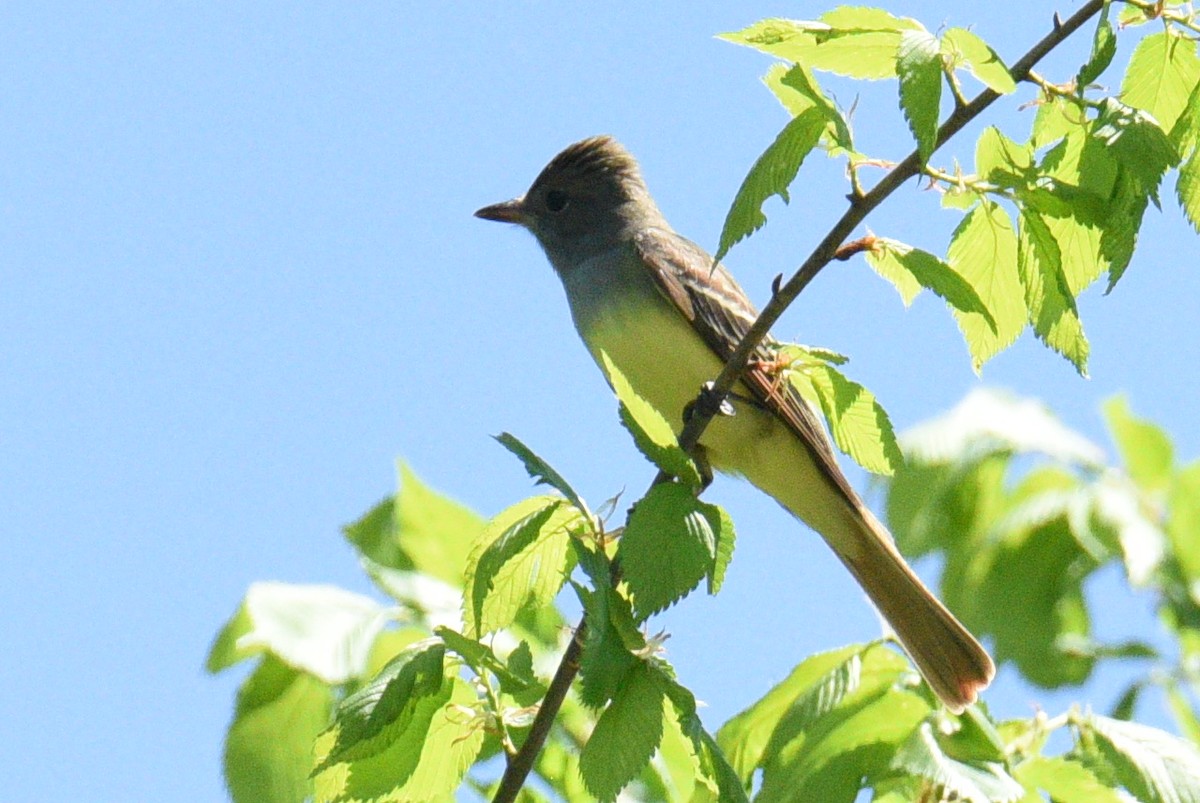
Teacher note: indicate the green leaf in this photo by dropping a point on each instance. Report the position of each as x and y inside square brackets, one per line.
[782, 38]
[434, 531]
[1184, 713]
[1047, 293]
[1154, 766]
[323, 630]
[855, 41]
[1124, 706]
[368, 721]
[715, 771]
[1145, 449]
[606, 659]
[1055, 118]
[669, 546]
[516, 675]
[677, 766]
[860, 426]
[862, 42]
[983, 251]
[1092, 205]
[626, 735]
[1127, 208]
[268, 749]
[979, 782]
[1187, 189]
[919, 67]
[725, 540]
[798, 91]
[1186, 131]
[1104, 47]
[1000, 160]
[1138, 143]
[522, 559]
[1162, 72]
[541, 471]
[1132, 15]
[1038, 570]
[1183, 525]
[885, 258]
[828, 759]
[374, 536]
[965, 48]
[651, 432]
[423, 760]
[993, 420]
[1066, 781]
[417, 529]
[745, 737]
[906, 267]
[771, 175]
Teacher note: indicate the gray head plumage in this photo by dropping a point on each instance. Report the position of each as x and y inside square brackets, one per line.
[586, 200]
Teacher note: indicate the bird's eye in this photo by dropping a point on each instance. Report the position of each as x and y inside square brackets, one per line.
[556, 200]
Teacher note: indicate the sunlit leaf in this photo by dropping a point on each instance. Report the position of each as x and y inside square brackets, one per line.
[1145, 449]
[860, 426]
[745, 737]
[983, 250]
[1048, 295]
[1162, 72]
[522, 558]
[919, 67]
[771, 175]
[1187, 189]
[418, 529]
[541, 471]
[1104, 47]
[320, 629]
[910, 269]
[268, 749]
[998, 420]
[981, 782]
[1065, 781]
[1153, 765]
[966, 49]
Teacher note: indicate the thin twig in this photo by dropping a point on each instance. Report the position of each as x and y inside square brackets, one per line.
[521, 763]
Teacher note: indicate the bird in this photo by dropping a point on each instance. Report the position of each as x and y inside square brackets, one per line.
[655, 305]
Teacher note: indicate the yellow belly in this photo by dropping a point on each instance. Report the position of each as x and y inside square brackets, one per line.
[667, 363]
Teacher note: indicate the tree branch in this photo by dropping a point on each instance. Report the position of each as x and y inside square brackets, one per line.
[860, 207]
[833, 246]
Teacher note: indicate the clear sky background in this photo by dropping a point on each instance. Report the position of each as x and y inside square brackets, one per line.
[239, 278]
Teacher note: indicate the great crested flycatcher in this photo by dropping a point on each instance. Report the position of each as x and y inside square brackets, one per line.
[654, 304]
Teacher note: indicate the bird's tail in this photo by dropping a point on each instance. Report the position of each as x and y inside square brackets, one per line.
[951, 660]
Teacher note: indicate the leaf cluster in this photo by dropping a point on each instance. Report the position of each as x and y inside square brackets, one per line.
[1045, 216]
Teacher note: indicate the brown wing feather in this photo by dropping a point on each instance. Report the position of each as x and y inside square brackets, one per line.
[722, 314]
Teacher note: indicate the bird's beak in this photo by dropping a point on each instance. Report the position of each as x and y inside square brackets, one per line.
[505, 212]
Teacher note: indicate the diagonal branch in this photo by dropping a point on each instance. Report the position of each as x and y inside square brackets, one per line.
[861, 206]
[830, 248]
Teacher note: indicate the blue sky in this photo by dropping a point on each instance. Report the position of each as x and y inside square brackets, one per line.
[241, 278]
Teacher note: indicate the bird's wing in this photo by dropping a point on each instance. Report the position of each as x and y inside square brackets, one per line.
[720, 312]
